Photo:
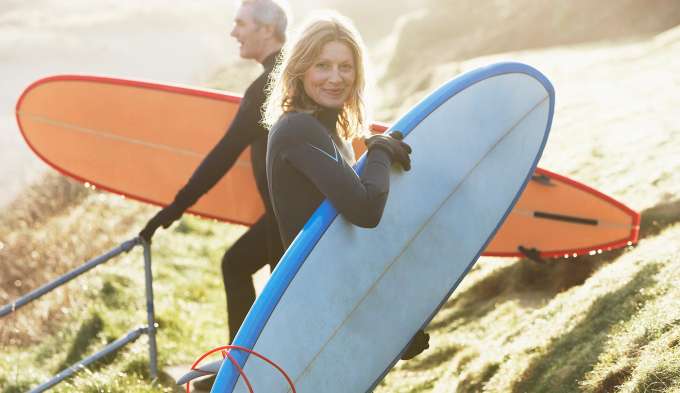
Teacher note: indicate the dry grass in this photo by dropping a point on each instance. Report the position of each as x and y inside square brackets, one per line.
[54, 226]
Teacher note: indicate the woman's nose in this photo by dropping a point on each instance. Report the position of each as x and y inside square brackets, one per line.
[335, 75]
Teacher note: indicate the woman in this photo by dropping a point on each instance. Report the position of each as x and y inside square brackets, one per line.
[315, 109]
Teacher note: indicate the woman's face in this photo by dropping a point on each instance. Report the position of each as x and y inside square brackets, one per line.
[330, 79]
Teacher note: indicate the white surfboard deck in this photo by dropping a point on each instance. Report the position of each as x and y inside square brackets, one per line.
[344, 301]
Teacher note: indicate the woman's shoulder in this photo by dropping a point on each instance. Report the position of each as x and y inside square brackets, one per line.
[298, 119]
[297, 125]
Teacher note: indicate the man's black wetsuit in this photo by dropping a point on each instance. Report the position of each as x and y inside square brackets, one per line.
[261, 244]
[304, 166]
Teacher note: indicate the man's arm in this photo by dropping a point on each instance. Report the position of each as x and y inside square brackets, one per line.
[244, 129]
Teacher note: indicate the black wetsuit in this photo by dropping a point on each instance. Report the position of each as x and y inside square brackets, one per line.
[304, 166]
[261, 244]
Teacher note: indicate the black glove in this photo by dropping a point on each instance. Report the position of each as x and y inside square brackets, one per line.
[393, 145]
[163, 218]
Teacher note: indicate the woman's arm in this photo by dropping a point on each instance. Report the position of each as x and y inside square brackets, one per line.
[360, 200]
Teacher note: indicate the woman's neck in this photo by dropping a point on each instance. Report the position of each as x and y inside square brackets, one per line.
[329, 118]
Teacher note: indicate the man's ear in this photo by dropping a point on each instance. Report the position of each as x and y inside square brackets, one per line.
[269, 29]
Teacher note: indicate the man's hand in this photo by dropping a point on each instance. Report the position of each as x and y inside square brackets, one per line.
[163, 218]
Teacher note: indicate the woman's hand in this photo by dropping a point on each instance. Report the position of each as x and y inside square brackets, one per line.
[393, 145]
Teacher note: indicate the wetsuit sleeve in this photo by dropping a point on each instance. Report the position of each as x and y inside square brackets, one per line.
[361, 200]
[243, 130]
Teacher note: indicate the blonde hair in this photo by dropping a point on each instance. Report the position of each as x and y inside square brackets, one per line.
[286, 91]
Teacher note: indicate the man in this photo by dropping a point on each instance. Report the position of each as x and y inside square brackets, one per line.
[260, 29]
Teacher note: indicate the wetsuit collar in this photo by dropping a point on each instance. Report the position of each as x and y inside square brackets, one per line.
[269, 61]
[329, 118]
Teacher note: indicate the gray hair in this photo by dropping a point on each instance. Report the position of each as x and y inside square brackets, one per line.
[271, 12]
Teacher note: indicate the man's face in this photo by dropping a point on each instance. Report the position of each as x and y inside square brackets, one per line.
[251, 36]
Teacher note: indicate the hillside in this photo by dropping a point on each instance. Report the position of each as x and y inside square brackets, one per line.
[594, 324]
[467, 28]
[602, 323]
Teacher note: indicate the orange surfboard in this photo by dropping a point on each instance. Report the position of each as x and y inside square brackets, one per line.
[144, 140]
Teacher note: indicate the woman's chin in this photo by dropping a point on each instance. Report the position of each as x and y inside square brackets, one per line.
[332, 104]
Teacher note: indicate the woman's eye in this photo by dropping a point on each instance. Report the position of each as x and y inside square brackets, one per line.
[322, 66]
[346, 68]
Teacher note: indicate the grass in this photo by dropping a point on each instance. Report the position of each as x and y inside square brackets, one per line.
[73, 321]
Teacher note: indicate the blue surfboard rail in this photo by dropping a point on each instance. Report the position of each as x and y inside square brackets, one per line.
[323, 217]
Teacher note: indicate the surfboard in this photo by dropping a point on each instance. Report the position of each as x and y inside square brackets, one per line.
[143, 140]
[344, 302]
[559, 217]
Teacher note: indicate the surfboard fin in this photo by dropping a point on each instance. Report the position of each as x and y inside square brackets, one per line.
[542, 179]
[531, 253]
[207, 369]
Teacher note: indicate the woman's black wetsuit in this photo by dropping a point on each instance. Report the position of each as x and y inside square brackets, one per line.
[304, 166]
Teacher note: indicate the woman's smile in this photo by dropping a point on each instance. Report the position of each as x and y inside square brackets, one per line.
[330, 79]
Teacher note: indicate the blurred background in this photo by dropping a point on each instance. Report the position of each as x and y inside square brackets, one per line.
[188, 43]
[160, 40]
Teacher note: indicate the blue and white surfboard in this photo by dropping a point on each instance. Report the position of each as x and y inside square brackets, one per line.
[344, 302]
